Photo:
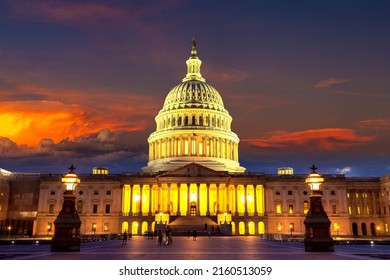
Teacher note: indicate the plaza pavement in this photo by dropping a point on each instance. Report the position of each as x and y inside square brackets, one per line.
[204, 248]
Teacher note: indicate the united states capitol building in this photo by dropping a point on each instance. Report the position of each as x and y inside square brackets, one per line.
[193, 178]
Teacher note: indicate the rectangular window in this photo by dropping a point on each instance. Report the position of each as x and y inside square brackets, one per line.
[290, 209]
[278, 208]
[51, 209]
[334, 208]
[106, 226]
[291, 227]
[52, 192]
[277, 193]
[289, 192]
[95, 209]
[108, 192]
[108, 206]
[332, 192]
[95, 192]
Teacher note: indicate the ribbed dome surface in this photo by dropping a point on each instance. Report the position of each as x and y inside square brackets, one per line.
[193, 94]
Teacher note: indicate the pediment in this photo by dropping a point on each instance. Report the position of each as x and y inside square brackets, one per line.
[194, 170]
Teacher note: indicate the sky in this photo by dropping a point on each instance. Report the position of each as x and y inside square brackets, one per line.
[306, 82]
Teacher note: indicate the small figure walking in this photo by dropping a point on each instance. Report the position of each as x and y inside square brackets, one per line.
[160, 237]
[209, 234]
[194, 235]
[124, 241]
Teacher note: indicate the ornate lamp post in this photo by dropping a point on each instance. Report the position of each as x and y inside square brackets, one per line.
[67, 224]
[317, 223]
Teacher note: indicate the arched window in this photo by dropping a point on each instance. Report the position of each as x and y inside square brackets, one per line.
[79, 207]
[186, 120]
[305, 206]
[193, 120]
[200, 120]
[179, 121]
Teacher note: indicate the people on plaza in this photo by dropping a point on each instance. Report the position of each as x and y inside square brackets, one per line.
[194, 234]
[124, 241]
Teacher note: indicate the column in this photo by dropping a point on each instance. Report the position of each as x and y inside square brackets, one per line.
[169, 199]
[218, 202]
[150, 199]
[159, 198]
[235, 200]
[255, 200]
[208, 200]
[188, 199]
[245, 201]
[140, 200]
[131, 200]
[178, 199]
[198, 199]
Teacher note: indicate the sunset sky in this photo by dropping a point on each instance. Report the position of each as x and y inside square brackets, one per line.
[305, 81]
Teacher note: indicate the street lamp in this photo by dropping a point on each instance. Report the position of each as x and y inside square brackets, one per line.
[378, 228]
[48, 229]
[67, 224]
[9, 231]
[291, 229]
[317, 223]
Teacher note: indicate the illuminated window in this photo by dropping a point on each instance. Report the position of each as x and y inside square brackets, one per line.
[357, 195]
[290, 209]
[348, 195]
[358, 210]
[51, 208]
[305, 207]
[94, 227]
[349, 210]
[278, 208]
[291, 227]
[280, 227]
[106, 227]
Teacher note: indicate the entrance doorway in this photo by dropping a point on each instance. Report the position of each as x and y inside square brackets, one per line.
[193, 209]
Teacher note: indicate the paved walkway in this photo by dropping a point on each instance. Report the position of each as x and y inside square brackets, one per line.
[204, 248]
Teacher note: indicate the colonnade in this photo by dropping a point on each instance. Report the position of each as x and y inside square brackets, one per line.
[193, 146]
[197, 199]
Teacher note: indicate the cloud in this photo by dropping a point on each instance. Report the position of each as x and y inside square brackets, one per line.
[383, 124]
[328, 139]
[344, 170]
[27, 122]
[331, 82]
[104, 148]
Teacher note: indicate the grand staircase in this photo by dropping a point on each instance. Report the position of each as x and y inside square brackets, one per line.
[181, 225]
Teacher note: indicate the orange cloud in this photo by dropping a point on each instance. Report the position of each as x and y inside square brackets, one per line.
[27, 122]
[329, 139]
[377, 124]
[331, 82]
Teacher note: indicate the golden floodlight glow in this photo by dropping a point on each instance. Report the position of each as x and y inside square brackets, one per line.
[314, 181]
[71, 181]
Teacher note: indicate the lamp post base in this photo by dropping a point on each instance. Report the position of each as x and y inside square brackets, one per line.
[65, 244]
[319, 244]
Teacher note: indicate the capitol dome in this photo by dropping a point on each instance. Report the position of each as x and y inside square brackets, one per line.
[193, 126]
